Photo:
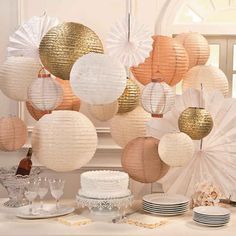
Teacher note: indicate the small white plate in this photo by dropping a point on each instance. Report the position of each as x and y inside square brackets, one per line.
[50, 212]
[211, 210]
[209, 225]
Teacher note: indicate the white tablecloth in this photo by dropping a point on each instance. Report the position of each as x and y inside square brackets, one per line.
[177, 226]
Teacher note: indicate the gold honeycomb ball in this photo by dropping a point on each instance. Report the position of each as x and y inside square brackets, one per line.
[129, 100]
[195, 122]
[64, 44]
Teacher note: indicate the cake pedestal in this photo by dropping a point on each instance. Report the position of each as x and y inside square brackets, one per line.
[105, 209]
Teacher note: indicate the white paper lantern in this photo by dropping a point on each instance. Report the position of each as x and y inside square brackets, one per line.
[211, 78]
[64, 140]
[129, 126]
[98, 78]
[157, 98]
[16, 74]
[176, 149]
[45, 93]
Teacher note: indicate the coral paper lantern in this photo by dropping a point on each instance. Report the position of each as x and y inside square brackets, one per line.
[16, 74]
[211, 78]
[103, 112]
[128, 126]
[64, 140]
[157, 98]
[196, 46]
[64, 44]
[98, 79]
[195, 122]
[140, 159]
[45, 93]
[13, 133]
[35, 113]
[168, 60]
[129, 100]
[176, 149]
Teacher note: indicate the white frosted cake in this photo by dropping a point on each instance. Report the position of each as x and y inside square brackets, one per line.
[104, 184]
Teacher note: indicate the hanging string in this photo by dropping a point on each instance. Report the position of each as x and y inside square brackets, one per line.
[129, 8]
[201, 106]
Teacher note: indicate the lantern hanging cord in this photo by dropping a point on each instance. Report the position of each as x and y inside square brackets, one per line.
[201, 105]
[129, 18]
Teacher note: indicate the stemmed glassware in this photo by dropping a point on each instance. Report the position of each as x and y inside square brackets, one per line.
[43, 187]
[57, 187]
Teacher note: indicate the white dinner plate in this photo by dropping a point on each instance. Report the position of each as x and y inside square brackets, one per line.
[165, 208]
[209, 225]
[211, 210]
[164, 213]
[211, 218]
[50, 211]
[211, 221]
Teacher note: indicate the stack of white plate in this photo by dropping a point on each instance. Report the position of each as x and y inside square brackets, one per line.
[211, 215]
[165, 204]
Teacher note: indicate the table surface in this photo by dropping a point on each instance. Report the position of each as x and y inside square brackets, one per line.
[183, 225]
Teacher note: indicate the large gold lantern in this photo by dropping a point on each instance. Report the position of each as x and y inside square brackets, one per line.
[64, 44]
[195, 122]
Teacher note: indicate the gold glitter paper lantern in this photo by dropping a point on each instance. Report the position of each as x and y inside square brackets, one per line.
[140, 159]
[64, 44]
[195, 122]
[129, 100]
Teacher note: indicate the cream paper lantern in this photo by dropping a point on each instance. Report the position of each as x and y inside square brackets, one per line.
[103, 112]
[157, 98]
[44, 93]
[176, 149]
[128, 126]
[64, 140]
[16, 74]
[98, 79]
[211, 78]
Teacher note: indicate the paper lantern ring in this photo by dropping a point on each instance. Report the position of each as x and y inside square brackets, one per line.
[176, 149]
[195, 122]
[168, 59]
[64, 44]
[64, 140]
[13, 133]
[140, 159]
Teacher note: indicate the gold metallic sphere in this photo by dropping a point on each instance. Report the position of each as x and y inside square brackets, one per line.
[129, 100]
[64, 44]
[195, 122]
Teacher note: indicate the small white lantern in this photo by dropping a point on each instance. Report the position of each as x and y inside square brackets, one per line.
[98, 78]
[176, 149]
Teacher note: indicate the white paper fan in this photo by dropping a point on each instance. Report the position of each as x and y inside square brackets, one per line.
[25, 41]
[216, 162]
[134, 50]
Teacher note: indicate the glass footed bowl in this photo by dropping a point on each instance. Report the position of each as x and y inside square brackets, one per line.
[15, 185]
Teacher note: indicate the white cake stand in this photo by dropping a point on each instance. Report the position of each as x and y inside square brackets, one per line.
[105, 209]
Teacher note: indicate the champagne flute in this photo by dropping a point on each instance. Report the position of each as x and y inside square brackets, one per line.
[42, 190]
[56, 187]
[31, 192]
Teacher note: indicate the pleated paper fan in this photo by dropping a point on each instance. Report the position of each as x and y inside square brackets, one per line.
[133, 51]
[216, 162]
[25, 41]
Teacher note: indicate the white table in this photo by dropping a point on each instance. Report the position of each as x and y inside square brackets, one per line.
[10, 225]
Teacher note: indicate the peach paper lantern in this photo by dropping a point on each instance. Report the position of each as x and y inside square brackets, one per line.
[13, 133]
[168, 62]
[196, 46]
[140, 159]
[211, 78]
[128, 126]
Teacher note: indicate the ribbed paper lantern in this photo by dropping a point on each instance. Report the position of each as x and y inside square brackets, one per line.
[196, 46]
[13, 133]
[168, 59]
[211, 78]
[140, 159]
[98, 79]
[35, 113]
[103, 112]
[128, 126]
[16, 74]
[176, 149]
[64, 44]
[195, 122]
[129, 100]
[64, 140]
[157, 98]
[44, 93]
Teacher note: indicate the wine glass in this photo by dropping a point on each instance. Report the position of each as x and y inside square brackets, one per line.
[56, 187]
[42, 190]
[31, 192]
